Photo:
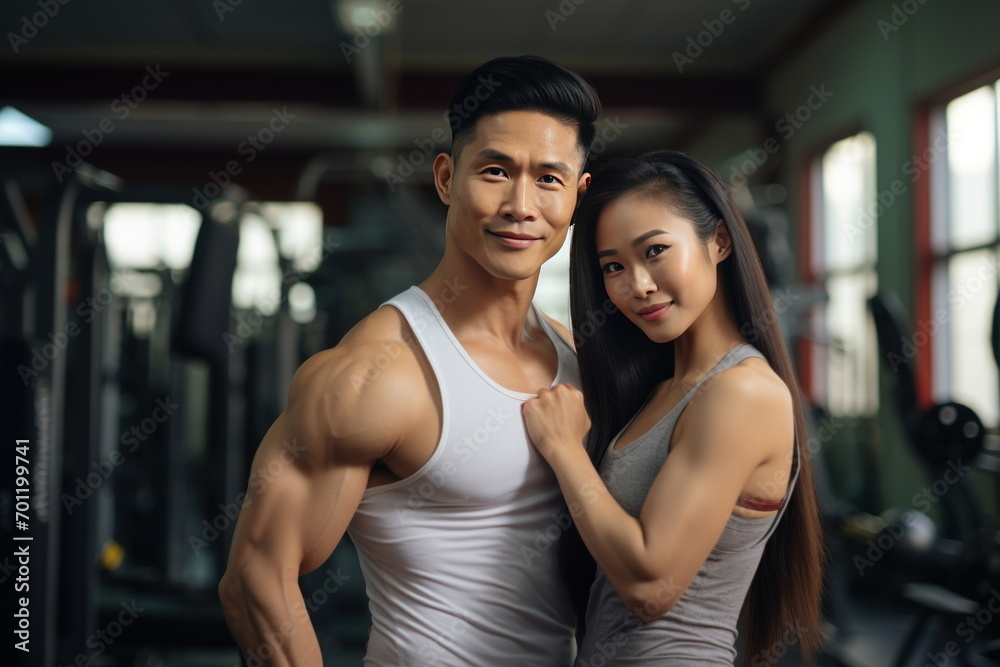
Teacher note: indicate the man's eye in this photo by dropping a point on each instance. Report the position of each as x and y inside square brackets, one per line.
[493, 171]
[550, 179]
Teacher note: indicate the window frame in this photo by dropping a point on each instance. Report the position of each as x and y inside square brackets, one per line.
[813, 376]
[930, 209]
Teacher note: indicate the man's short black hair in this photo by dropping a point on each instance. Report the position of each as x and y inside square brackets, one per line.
[523, 83]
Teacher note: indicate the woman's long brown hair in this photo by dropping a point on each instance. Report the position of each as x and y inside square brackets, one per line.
[620, 366]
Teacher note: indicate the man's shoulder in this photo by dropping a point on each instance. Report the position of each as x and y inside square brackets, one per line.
[384, 325]
[379, 350]
[351, 387]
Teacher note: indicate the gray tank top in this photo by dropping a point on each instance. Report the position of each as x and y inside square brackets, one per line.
[701, 628]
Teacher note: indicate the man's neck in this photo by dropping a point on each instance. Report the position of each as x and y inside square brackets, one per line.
[477, 304]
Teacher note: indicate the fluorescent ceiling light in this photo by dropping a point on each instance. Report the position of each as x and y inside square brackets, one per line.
[364, 15]
[16, 129]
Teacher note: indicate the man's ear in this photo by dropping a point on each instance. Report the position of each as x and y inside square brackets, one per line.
[444, 172]
[581, 188]
[723, 243]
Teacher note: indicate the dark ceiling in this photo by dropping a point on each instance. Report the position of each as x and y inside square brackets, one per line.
[230, 62]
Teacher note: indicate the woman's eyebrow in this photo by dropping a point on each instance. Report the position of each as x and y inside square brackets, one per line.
[649, 234]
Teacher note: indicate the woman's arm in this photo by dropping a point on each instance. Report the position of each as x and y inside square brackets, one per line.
[731, 428]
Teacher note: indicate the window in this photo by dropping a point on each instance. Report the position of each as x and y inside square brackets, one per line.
[257, 281]
[144, 236]
[965, 240]
[844, 360]
[144, 239]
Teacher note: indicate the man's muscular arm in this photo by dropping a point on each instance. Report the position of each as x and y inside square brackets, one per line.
[323, 447]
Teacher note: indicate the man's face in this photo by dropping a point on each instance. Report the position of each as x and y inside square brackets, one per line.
[512, 192]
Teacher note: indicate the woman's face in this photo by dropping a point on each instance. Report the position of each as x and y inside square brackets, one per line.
[656, 270]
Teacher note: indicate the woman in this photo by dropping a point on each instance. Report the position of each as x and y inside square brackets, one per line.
[690, 363]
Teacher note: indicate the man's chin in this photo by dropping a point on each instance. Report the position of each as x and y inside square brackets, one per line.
[513, 274]
[516, 270]
[517, 277]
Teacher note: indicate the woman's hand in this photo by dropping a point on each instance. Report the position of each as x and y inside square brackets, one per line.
[556, 420]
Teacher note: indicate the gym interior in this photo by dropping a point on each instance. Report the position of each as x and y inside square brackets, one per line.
[198, 196]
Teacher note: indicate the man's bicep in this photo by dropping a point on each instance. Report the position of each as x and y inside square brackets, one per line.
[299, 499]
[311, 470]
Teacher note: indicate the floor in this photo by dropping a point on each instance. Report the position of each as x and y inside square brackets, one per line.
[873, 625]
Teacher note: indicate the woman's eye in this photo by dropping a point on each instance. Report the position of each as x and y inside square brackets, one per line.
[655, 250]
[611, 267]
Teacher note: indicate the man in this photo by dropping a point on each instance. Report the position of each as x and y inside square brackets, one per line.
[411, 426]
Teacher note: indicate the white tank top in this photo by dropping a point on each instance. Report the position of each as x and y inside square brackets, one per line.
[460, 559]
